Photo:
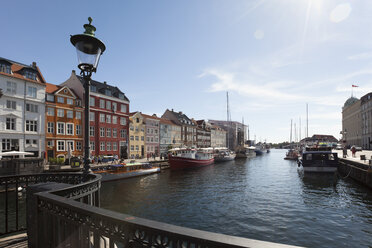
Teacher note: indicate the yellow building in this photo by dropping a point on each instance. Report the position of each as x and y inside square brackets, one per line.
[136, 135]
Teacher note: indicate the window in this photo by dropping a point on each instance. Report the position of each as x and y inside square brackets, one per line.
[91, 131]
[30, 74]
[10, 123]
[101, 103]
[11, 104]
[137, 120]
[5, 68]
[50, 98]
[102, 146]
[91, 101]
[70, 129]
[114, 106]
[108, 132]
[91, 116]
[31, 92]
[78, 103]
[50, 111]
[132, 148]
[79, 145]
[60, 128]
[102, 132]
[123, 108]
[92, 145]
[50, 127]
[114, 146]
[108, 105]
[114, 133]
[60, 112]
[131, 137]
[137, 138]
[11, 88]
[31, 126]
[60, 145]
[78, 129]
[123, 121]
[123, 133]
[70, 114]
[93, 88]
[114, 119]
[60, 99]
[108, 146]
[50, 143]
[131, 128]
[142, 138]
[108, 92]
[108, 118]
[32, 108]
[78, 115]
[70, 101]
[70, 144]
[137, 147]
[102, 118]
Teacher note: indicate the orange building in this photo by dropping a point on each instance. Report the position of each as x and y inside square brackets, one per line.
[63, 122]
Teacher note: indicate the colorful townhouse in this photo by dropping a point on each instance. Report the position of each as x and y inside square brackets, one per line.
[64, 122]
[22, 119]
[170, 136]
[136, 135]
[108, 117]
[218, 136]
[188, 128]
[152, 135]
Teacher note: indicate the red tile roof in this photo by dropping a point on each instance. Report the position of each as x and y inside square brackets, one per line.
[51, 88]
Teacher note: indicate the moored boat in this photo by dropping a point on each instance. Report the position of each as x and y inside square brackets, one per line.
[188, 158]
[320, 159]
[245, 152]
[292, 154]
[122, 171]
[223, 154]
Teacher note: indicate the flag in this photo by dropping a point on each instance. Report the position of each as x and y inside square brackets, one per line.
[354, 85]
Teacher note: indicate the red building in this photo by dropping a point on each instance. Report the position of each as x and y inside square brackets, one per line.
[109, 116]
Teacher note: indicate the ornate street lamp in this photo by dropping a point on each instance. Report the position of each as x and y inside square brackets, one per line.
[89, 49]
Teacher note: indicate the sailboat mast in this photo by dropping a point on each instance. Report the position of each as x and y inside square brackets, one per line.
[307, 120]
[228, 119]
[290, 140]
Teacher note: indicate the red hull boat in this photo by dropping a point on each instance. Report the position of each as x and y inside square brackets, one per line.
[186, 158]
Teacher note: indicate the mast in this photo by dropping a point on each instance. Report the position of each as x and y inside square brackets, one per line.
[290, 140]
[307, 120]
[228, 119]
[295, 133]
[299, 131]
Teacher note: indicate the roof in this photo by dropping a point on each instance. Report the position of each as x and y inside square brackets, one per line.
[151, 117]
[17, 71]
[181, 117]
[100, 87]
[350, 101]
[51, 88]
[166, 121]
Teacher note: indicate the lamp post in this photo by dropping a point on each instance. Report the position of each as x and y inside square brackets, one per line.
[89, 49]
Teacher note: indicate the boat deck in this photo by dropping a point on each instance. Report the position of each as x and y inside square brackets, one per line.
[14, 241]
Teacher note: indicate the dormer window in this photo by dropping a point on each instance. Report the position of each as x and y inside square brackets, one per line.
[30, 74]
[121, 96]
[4, 67]
[108, 92]
[93, 88]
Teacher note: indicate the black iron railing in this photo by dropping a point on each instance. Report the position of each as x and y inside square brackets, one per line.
[71, 217]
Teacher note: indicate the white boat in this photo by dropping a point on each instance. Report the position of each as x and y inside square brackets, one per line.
[222, 154]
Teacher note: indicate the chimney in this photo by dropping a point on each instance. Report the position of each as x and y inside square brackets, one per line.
[180, 112]
[104, 82]
[73, 73]
[34, 64]
[172, 110]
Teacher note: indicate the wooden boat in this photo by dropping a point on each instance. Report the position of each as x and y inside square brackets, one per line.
[188, 158]
[222, 154]
[320, 159]
[122, 171]
[292, 154]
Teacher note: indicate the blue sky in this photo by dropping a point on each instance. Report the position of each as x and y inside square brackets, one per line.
[273, 56]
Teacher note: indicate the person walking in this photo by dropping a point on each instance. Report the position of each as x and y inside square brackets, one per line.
[353, 151]
[344, 152]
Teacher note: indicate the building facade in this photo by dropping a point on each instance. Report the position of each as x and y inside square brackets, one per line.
[108, 117]
[218, 136]
[188, 128]
[203, 134]
[351, 122]
[64, 123]
[366, 118]
[170, 135]
[152, 140]
[22, 116]
[136, 135]
[236, 134]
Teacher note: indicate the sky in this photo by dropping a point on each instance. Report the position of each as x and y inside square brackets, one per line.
[274, 57]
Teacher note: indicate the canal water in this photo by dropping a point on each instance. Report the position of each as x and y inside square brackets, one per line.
[263, 198]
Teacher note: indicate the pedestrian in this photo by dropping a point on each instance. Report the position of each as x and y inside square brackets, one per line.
[344, 152]
[99, 160]
[353, 151]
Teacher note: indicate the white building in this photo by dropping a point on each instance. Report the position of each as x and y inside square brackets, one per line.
[22, 108]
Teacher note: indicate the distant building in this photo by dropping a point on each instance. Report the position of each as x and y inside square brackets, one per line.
[108, 117]
[203, 134]
[366, 121]
[236, 134]
[22, 115]
[188, 128]
[218, 136]
[152, 135]
[137, 134]
[64, 122]
[352, 122]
